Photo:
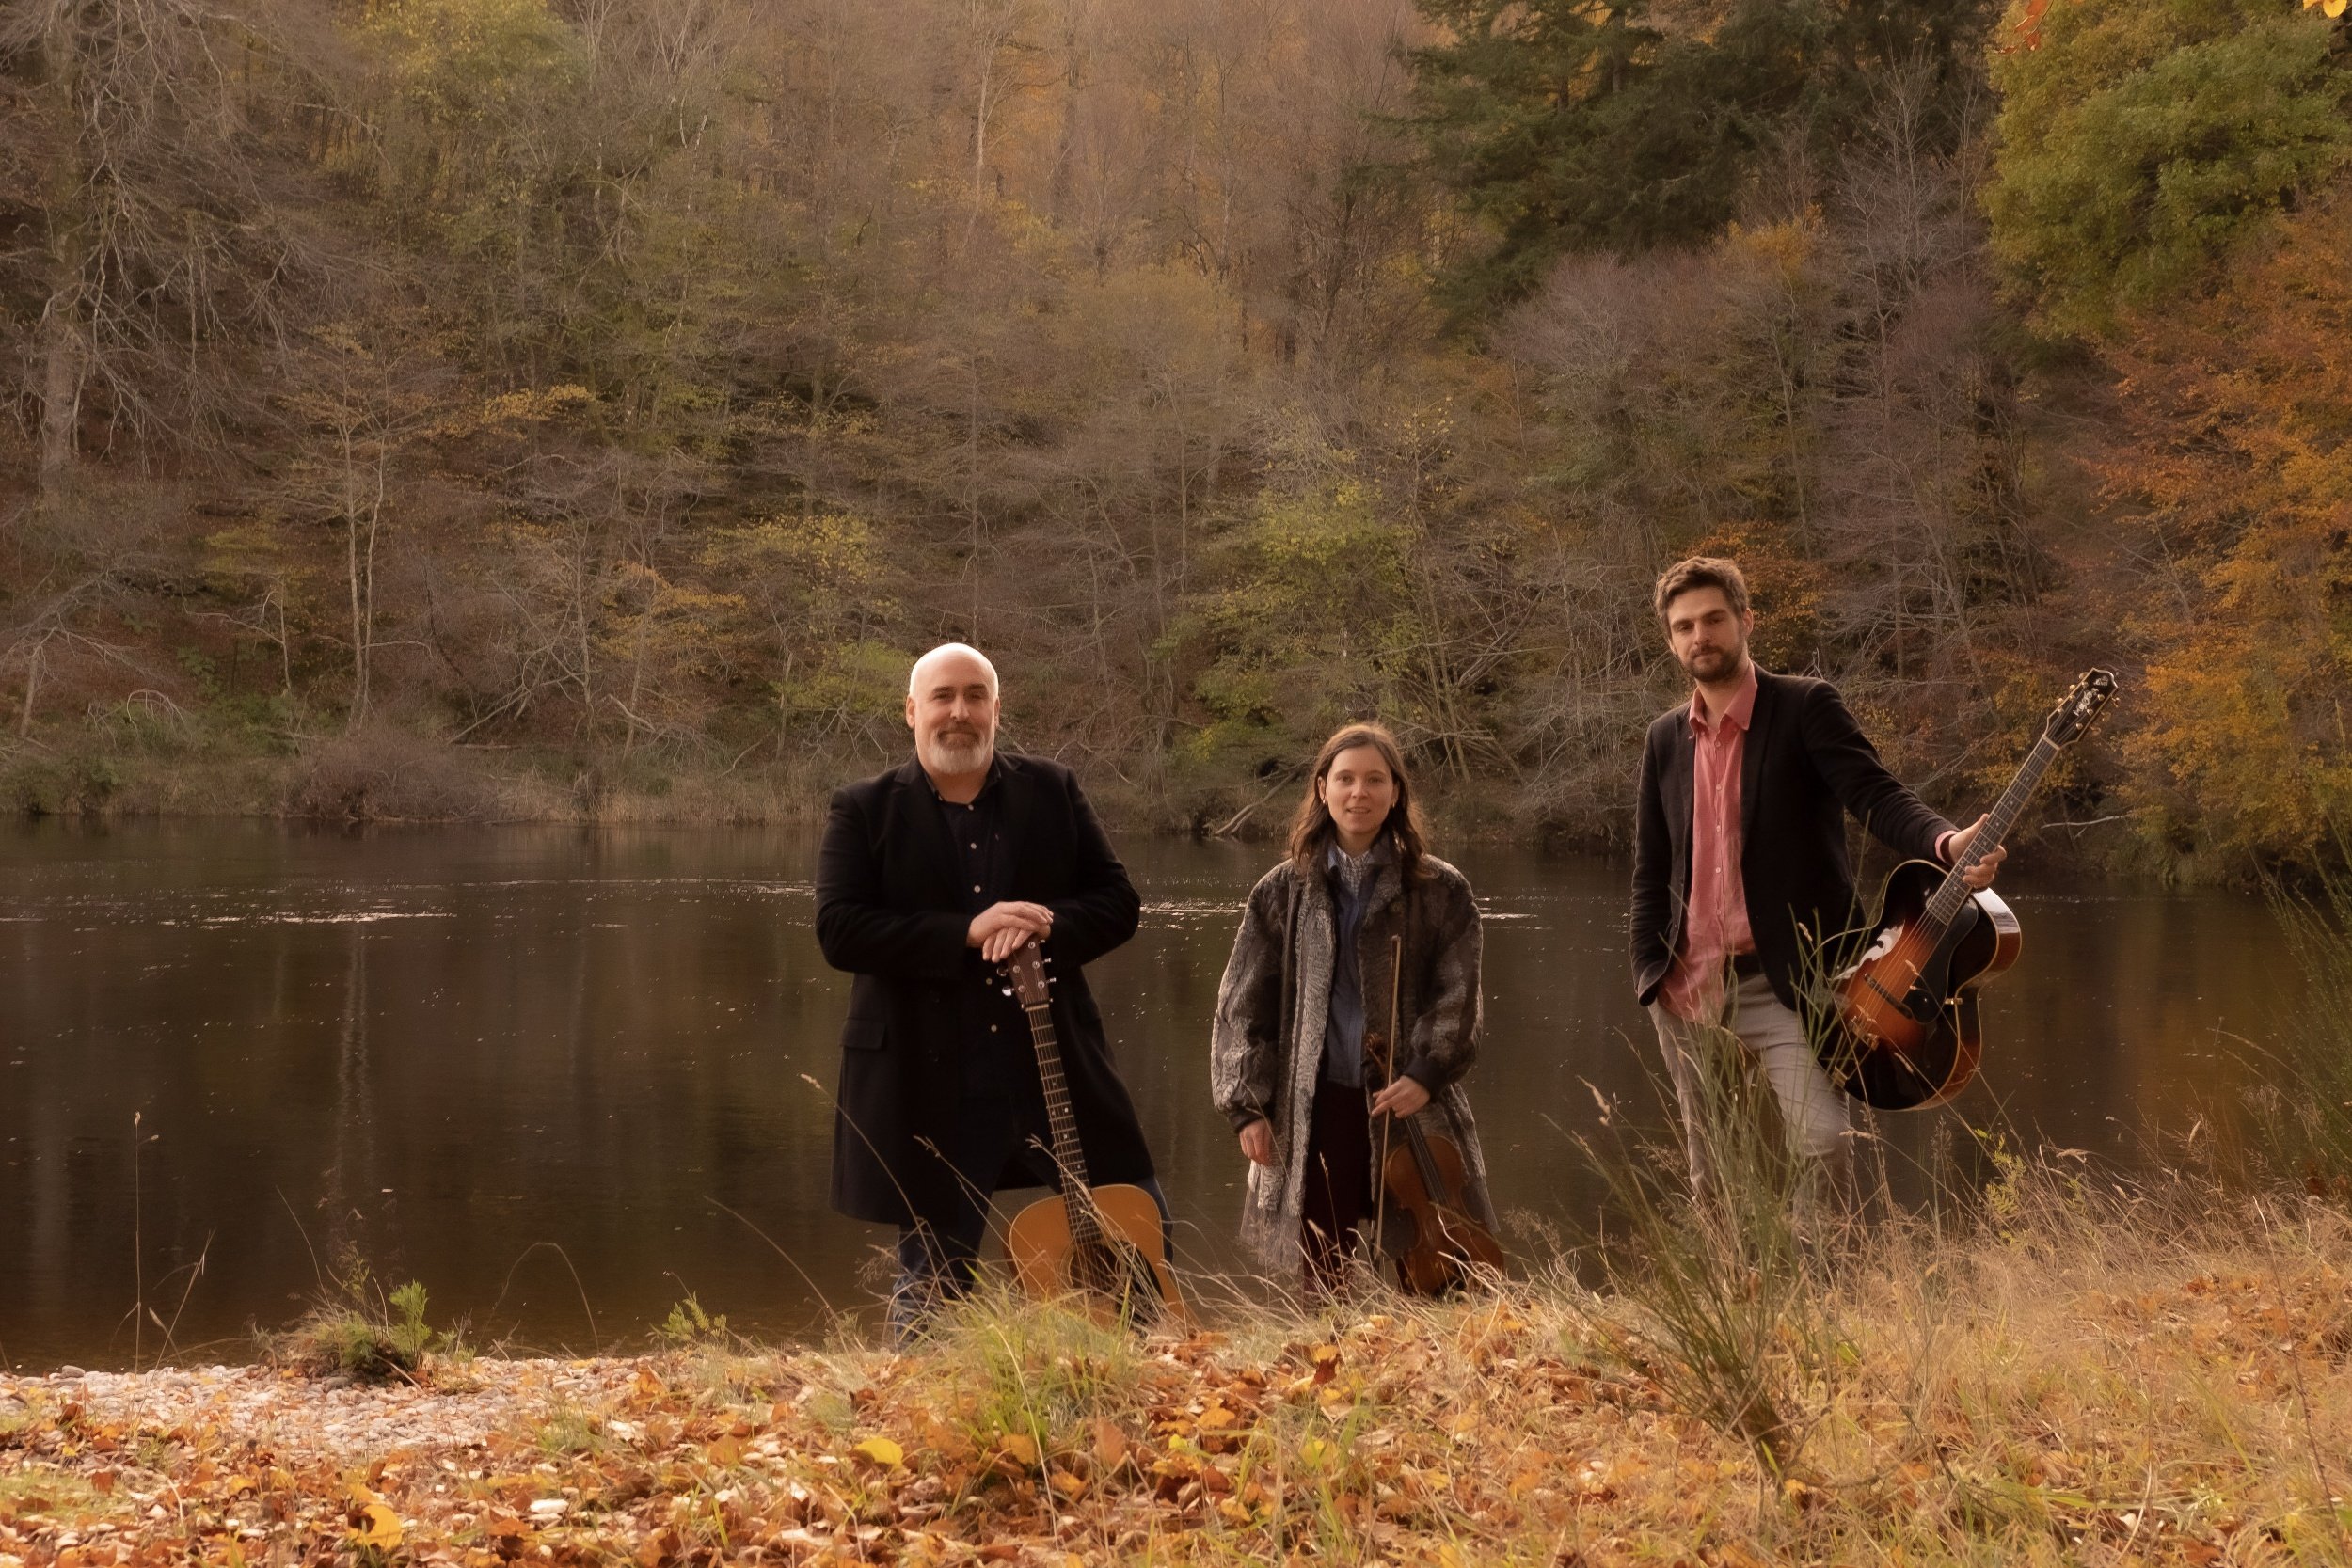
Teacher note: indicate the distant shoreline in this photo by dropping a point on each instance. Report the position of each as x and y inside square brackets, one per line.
[405, 781]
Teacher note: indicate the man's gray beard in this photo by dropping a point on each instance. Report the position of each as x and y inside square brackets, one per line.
[942, 754]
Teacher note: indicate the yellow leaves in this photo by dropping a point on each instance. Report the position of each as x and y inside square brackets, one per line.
[1021, 1449]
[2327, 7]
[510, 413]
[375, 1527]
[834, 550]
[530, 406]
[468, 66]
[881, 1452]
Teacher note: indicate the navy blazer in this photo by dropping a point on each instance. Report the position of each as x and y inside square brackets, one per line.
[1805, 764]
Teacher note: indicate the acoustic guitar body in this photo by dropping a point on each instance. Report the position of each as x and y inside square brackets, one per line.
[1907, 1035]
[1123, 1277]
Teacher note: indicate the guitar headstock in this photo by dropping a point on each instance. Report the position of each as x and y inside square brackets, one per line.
[2092, 692]
[1025, 974]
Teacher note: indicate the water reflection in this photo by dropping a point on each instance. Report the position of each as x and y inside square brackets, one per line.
[564, 1077]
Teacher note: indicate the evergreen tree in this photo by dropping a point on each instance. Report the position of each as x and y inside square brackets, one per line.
[1565, 125]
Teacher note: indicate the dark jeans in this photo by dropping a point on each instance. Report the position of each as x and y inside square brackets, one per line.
[939, 1258]
[1338, 1198]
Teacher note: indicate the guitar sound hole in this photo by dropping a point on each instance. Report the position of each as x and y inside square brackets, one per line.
[1118, 1275]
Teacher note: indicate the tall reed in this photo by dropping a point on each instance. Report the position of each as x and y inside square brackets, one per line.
[1721, 1297]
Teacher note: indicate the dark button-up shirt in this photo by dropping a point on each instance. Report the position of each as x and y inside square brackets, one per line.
[996, 1035]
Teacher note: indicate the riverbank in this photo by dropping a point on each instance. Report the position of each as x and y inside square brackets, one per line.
[385, 776]
[2085, 1379]
[396, 778]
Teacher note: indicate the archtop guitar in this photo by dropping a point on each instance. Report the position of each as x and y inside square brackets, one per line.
[1905, 1033]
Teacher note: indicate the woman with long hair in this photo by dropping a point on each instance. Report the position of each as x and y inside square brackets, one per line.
[1299, 1058]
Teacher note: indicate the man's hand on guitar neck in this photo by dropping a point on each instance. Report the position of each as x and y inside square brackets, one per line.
[999, 929]
[1979, 875]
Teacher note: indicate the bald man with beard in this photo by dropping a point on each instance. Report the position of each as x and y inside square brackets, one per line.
[928, 878]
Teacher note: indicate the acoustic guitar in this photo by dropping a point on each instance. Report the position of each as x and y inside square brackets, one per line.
[1104, 1243]
[1903, 1030]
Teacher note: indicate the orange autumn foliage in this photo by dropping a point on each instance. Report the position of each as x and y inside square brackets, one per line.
[2239, 463]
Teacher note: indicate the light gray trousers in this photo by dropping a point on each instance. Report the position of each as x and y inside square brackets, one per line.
[1813, 1112]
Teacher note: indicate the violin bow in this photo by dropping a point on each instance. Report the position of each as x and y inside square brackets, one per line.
[1388, 1076]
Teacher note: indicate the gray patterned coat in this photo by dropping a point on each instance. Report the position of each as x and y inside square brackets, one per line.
[1266, 1052]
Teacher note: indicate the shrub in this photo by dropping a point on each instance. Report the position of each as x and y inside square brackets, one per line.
[359, 1331]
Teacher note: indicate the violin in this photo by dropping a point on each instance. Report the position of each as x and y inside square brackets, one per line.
[1425, 1176]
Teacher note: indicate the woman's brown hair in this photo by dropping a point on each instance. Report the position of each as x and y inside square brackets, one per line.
[1312, 829]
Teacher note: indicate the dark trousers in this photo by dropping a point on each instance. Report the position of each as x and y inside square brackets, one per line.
[1339, 1196]
[938, 1257]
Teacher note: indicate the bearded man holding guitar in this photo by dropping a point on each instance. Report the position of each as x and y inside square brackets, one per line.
[930, 878]
[1741, 870]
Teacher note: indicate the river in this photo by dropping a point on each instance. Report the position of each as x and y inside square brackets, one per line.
[564, 1076]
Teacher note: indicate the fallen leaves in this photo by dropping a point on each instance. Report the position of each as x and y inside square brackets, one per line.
[376, 1528]
[881, 1452]
[1110, 1444]
[1476, 1430]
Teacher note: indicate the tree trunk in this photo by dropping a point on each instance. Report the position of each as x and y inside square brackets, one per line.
[61, 377]
[358, 623]
[32, 689]
[362, 518]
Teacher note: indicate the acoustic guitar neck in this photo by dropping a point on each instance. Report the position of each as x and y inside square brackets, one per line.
[1068, 1154]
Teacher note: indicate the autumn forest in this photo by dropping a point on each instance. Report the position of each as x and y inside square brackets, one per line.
[584, 408]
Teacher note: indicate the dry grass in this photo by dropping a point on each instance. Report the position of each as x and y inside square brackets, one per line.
[2087, 1381]
[2084, 1377]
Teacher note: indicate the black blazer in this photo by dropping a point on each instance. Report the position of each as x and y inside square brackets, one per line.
[1804, 765]
[889, 910]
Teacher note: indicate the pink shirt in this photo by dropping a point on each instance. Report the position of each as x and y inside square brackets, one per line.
[1716, 925]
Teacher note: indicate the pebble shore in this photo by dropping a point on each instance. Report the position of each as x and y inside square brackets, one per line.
[305, 1419]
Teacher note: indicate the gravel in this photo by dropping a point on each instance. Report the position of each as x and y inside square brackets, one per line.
[302, 1417]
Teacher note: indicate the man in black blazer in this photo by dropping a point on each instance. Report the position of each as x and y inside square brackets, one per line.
[1740, 869]
[929, 877]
